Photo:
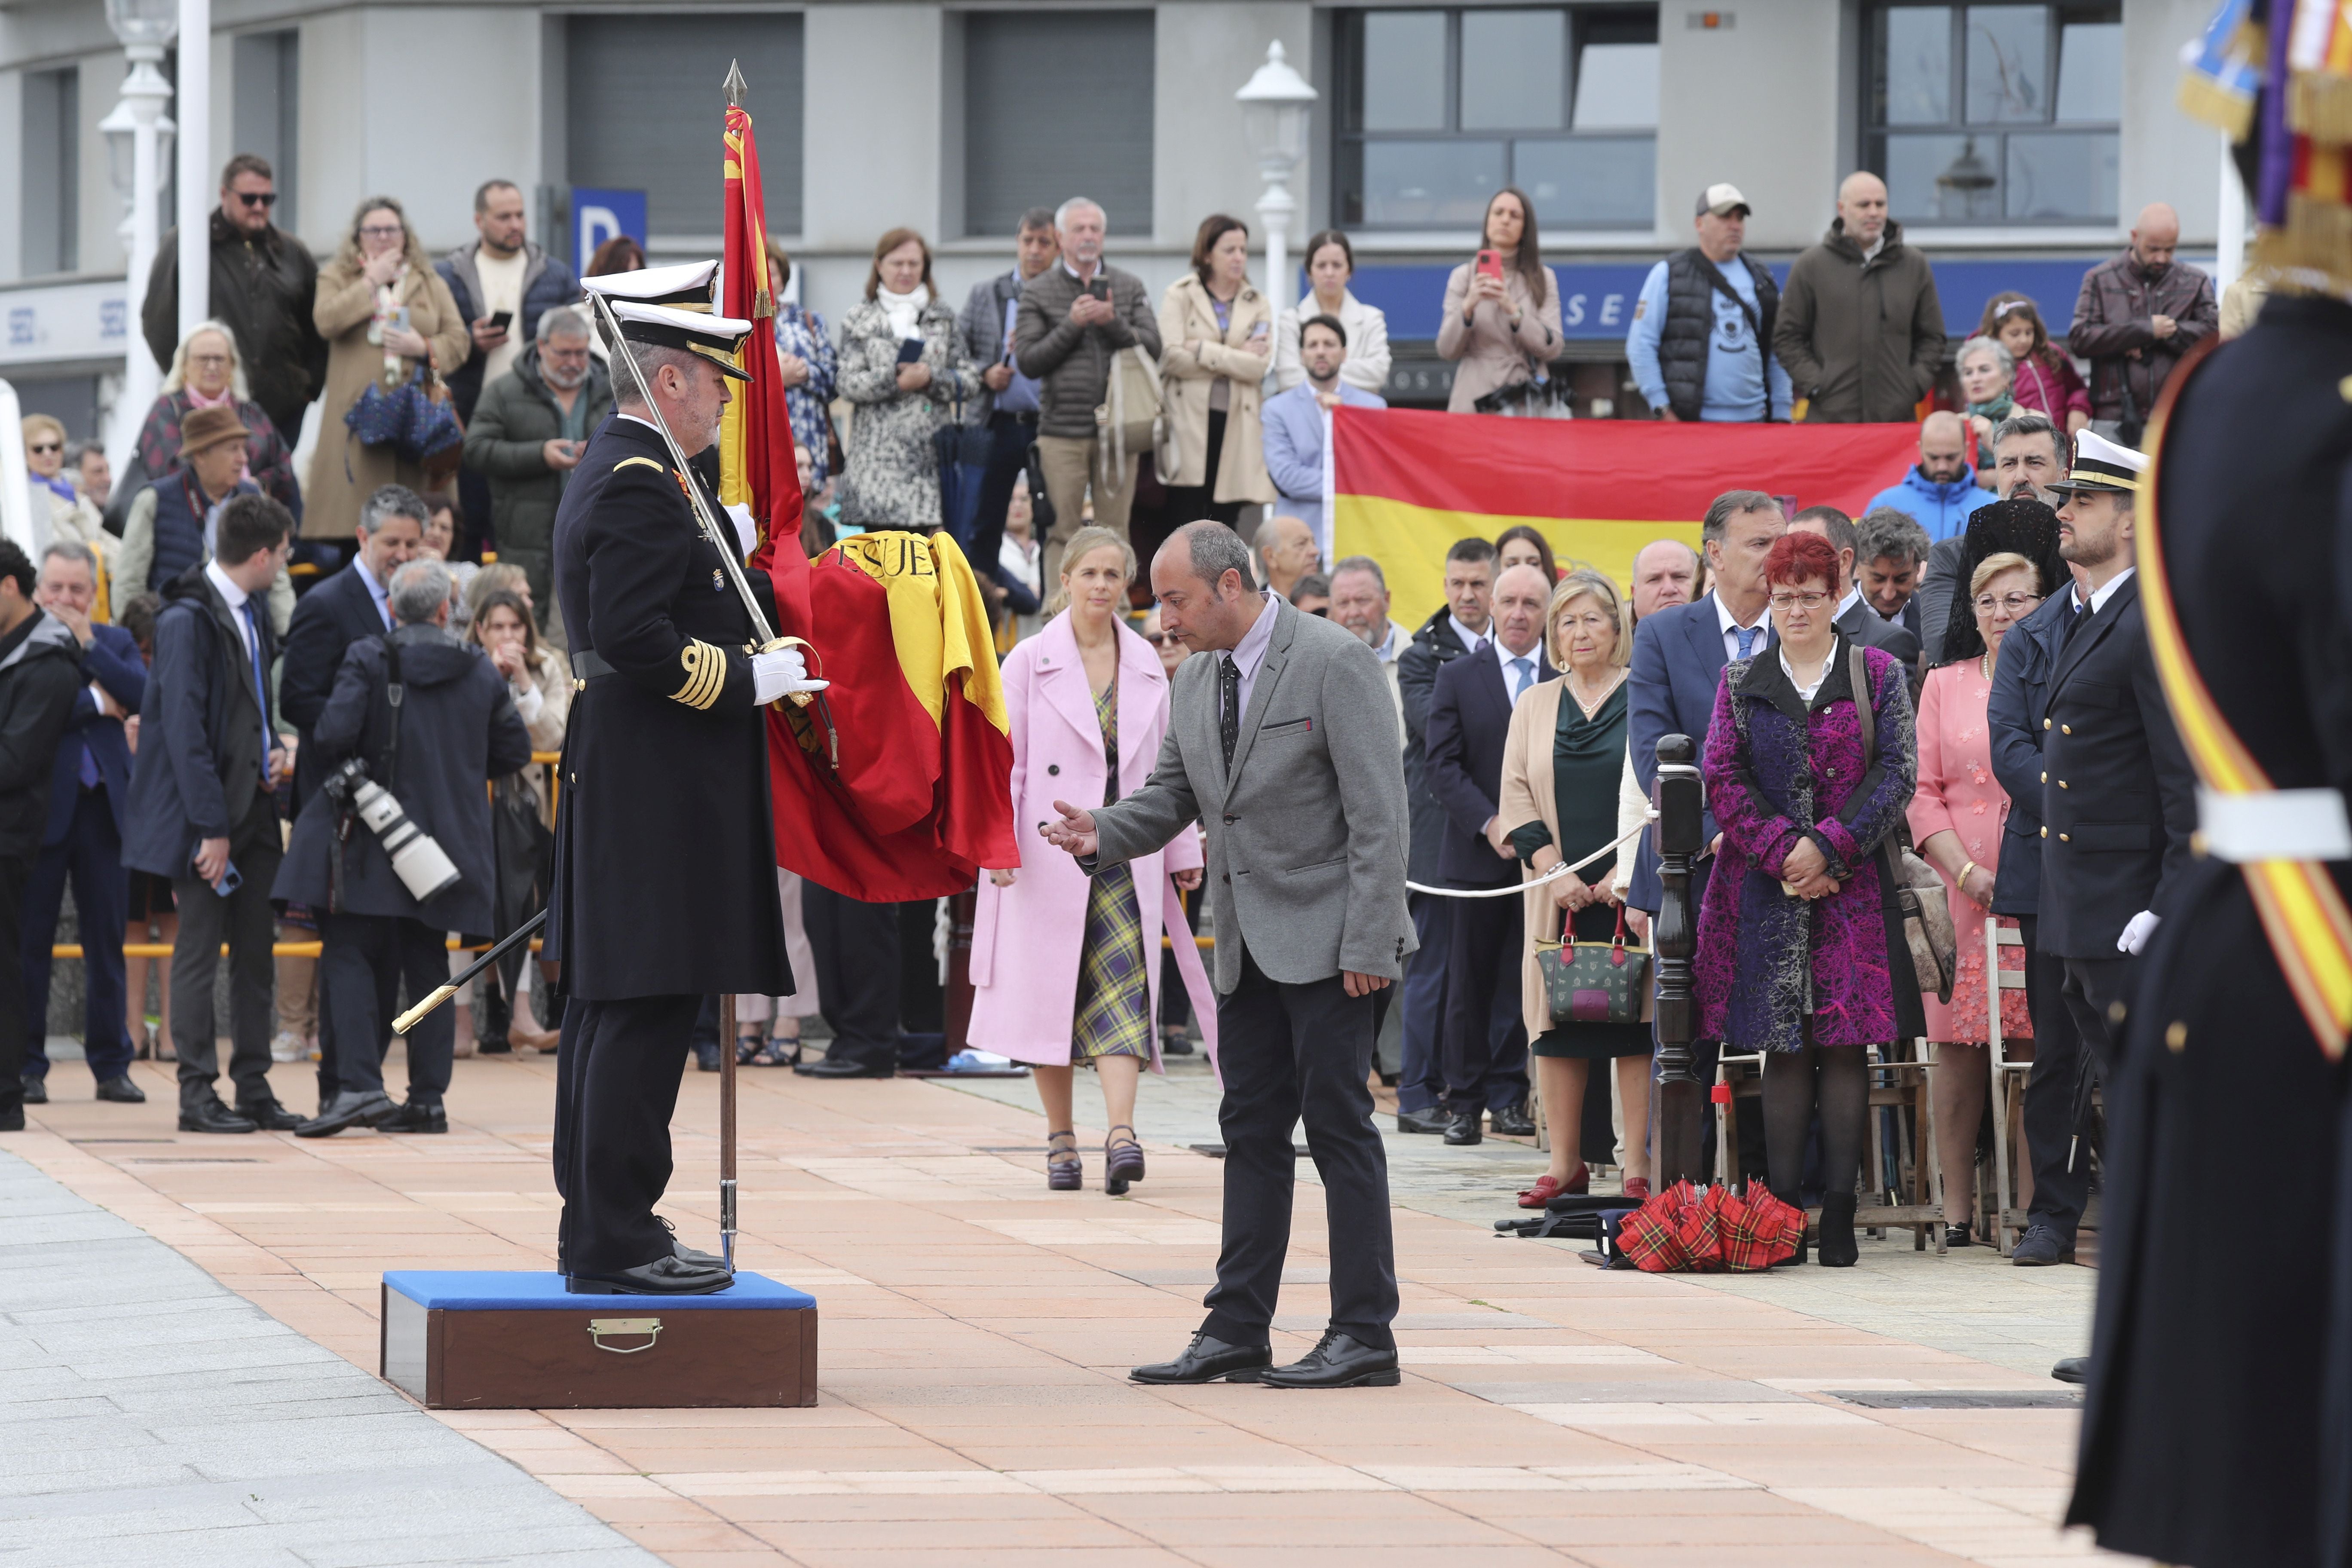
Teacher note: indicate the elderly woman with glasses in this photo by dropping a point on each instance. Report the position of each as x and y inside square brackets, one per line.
[1799, 924]
[207, 372]
[70, 514]
[1957, 819]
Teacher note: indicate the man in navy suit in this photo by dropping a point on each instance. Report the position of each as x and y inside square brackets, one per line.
[346, 607]
[1678, 658]
[1469, 720]
[90, 788]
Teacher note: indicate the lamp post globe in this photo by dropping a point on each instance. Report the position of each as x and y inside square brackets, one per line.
[1274, 103]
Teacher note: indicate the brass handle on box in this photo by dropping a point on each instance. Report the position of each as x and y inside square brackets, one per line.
[625, 1327]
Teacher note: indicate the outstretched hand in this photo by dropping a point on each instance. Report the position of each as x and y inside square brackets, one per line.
[1075, 832]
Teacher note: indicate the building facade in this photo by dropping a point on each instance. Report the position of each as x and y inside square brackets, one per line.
[2017, 138]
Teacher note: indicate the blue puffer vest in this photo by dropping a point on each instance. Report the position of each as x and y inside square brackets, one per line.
[179, 528]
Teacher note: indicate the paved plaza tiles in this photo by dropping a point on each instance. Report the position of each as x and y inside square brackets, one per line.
[188, 1339]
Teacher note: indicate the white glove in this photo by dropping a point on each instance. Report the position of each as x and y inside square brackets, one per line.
[781, 674]
[2136, 934]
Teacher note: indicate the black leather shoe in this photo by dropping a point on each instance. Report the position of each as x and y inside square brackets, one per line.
[684, 1254]
[1433, 1119]
[269, 1115]
[414, 1118]
[12, 1120]
[350, 1108]
[1464, 1128]
[2076, 1369]
[2041, 1246]
[706, 1055]
[662, 1277]
[829, 1067]
[212, 1116]
[1206, 1361]
[1513, 1122]
[1337, 1361]
[37, 1090]
[121, 1090]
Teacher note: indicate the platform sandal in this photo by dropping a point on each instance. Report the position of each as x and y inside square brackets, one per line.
[1123, 1159]
[1064, 1171]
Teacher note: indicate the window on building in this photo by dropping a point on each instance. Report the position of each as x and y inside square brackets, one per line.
[1090, 135]
[1995, 114]
[51, 193]
[267, 111]
[644, 101]
[1438, 109]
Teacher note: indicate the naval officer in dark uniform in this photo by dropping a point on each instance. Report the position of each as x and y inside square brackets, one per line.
[2208, 1437]
[665, 888]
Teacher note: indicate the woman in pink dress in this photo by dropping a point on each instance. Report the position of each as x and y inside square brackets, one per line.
[1957, 817]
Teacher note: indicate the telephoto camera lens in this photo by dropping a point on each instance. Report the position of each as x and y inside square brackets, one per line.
[422, 868]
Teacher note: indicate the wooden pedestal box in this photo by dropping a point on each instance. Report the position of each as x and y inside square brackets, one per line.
[518, 1342]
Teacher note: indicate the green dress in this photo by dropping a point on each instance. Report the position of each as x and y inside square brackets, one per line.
[1114, 1009]
[1588, 762]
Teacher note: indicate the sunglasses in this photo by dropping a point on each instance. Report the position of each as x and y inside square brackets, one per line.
[45, 447]
[265, 199]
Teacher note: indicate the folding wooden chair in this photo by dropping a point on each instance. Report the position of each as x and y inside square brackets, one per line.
[2008, 1085]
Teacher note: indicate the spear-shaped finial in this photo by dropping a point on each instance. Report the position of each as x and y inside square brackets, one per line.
[736, 85]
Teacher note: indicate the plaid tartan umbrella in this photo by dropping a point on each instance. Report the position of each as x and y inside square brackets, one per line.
[1708, 1230]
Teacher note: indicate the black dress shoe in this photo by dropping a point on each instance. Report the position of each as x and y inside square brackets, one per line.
[350, 1108]
[121, 1090]
[1206, 1361]
[1513, 1122]
[12, 1120]
[2076, 1369]
[706, 1055]
[1465, 1130]
[686, 1253]
[1337, 1361]
[414, 1118]
[829, 1067]
[1433, 1119]
[662, 1277]
[212, 1116]
[269, 1115]
[37, 1090]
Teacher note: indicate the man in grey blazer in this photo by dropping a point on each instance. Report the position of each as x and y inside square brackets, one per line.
[1284, 744]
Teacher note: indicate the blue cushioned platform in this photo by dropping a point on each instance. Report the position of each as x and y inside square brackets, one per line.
[490, 1292]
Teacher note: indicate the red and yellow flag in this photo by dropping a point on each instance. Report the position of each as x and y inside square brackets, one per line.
[755, 442]
[1407, 483]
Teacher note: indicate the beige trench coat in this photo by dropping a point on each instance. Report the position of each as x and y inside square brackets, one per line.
[1527, 796]
[1187, 375]
[343, 471]
[1491, 355]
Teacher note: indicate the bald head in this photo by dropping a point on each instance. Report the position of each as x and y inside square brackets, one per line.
[1665, 571]
[1862, 208]
[1520, 594]
[1288, 548]
[2155, 236]
[1943, 446]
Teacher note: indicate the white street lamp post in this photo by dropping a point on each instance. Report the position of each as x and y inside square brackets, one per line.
[1274, 103]
[195, 158]
[138, 140]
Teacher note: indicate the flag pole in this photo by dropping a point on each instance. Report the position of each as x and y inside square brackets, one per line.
[736, 87]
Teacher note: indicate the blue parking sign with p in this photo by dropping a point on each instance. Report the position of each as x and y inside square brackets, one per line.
[598, 216]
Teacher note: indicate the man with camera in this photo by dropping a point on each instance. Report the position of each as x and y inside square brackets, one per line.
[393, 848]
[202, 812]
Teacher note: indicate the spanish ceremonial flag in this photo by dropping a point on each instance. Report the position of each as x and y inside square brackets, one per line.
[1405, 484]
[755, 436]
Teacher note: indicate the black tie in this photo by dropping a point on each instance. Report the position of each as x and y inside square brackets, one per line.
[1229, 706]
[2074, 622]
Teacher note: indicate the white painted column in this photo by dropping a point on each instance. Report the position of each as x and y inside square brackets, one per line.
[196, 202]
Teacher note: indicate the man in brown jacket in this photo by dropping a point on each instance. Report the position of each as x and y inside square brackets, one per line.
[1073, 320]
[1860, 333]
[2135, 320]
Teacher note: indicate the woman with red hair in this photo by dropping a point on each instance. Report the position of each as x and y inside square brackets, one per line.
[1798, 927]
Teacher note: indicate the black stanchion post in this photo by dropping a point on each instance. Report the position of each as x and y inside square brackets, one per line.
[1682, 1099]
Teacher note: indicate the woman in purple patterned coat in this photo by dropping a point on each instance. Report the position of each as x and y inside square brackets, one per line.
[1795, 932]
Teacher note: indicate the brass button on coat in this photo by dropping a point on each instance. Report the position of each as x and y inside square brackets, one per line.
[2176, 1036]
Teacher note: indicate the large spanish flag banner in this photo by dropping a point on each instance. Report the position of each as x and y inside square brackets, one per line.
[1407, 483]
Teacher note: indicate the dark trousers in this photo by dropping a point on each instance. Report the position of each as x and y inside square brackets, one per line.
[361, 959]
[1421, 1078]
[91, 854]
[243, 919]
[1007, 459]
[2075, 994]
[1289, 1052]
[615, 1087]
[857, 949]
[1482, 978]
[15, 872]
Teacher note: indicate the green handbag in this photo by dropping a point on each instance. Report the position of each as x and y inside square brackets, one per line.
[1594, 982]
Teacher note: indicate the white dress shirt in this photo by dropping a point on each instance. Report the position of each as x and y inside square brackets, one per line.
[1762, 628]
[1250, 653]
[1470, 639]
[1513, 686]
[2099, 599]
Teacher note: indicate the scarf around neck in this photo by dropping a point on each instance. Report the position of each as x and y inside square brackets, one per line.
[905, 311]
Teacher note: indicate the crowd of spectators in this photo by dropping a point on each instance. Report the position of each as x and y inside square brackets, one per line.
[1530, 702]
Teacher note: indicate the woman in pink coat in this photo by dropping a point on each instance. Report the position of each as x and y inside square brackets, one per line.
[1063, 966]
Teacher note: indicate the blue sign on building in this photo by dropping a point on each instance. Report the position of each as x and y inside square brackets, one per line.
[598, 216]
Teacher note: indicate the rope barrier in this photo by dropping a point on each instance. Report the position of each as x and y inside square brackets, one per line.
[1562, 869]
